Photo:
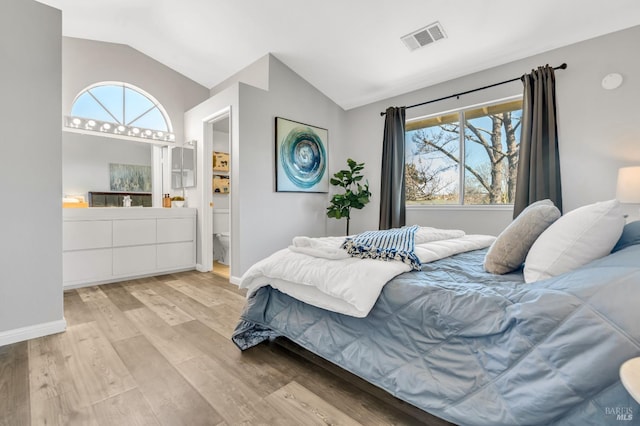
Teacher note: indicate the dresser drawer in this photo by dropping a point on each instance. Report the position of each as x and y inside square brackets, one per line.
[86, 235]
[134, 260]
[175, 230]
[176, 255]
[86, 265]
[134, 232]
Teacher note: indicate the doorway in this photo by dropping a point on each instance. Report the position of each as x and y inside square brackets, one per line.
[218, 150]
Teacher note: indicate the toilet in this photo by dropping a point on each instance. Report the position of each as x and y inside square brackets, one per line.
[221, 235]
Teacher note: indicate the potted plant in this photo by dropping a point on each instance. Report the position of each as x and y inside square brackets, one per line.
[177, 201]
[356, 195]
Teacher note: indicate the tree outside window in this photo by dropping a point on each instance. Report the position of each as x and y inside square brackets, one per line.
[465, 157]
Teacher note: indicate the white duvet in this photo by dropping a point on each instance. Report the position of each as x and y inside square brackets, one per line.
[318, 272]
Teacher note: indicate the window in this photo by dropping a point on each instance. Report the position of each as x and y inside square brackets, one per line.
[120, 109]
[464, 157]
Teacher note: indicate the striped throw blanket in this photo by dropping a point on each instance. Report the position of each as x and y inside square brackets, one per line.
[392, 244]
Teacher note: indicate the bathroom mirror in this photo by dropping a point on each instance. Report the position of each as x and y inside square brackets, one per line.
[183, 166]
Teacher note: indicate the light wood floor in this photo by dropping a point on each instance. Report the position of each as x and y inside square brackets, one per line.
[157, 351]
[220, 269]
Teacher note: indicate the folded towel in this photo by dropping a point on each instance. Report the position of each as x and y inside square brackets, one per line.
[392, 244]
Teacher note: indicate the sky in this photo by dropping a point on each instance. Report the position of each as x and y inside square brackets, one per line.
[137, 110]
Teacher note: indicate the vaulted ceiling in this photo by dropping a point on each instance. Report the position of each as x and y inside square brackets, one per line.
[349, 49]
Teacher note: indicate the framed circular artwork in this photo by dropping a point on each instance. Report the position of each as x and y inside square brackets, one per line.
[301, 157]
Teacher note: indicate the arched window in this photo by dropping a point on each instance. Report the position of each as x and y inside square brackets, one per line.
[122, 110]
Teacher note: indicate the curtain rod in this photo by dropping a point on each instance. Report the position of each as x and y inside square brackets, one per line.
[457, 95]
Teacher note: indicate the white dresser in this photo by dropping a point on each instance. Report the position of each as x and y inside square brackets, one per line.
[103, 245]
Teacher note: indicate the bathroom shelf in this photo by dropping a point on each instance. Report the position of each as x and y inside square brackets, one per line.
[221, 184]
[220, 161]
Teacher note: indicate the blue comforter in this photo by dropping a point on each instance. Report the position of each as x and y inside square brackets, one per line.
[482, 349]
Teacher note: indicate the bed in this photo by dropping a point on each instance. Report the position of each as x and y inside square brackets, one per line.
[476, 348]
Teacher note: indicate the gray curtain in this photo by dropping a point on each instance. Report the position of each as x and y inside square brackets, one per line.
[392, 196]
[539, 160]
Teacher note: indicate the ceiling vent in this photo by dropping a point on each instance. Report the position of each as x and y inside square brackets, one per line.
[424, 36]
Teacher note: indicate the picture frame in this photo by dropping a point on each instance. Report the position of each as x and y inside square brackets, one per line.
[129, 178]
[301, 157]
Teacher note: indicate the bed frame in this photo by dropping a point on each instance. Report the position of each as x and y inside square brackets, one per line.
[419, 415]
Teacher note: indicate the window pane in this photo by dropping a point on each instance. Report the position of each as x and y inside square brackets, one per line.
[151, 120]
[87, 107]
[431, 165]
[111, 97]
[121, 103]
[137, 104]
[488, 169]
[491, 156]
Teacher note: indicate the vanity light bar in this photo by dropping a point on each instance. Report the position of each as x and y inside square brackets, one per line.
[91, 125]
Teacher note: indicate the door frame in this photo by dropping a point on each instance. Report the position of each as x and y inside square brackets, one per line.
[207, 188]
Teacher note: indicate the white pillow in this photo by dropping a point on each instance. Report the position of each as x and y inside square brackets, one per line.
[580, 236]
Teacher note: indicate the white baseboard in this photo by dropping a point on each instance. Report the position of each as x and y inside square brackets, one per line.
[32, 331]
[120, 278]
[234, 280]
[202, 268]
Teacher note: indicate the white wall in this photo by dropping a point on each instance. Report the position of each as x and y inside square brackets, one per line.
[268, 219]
[30, 148]
[85, 62]
[256, 74]
[197, 128]
[86, 159]
[598, 129]
[263, 220]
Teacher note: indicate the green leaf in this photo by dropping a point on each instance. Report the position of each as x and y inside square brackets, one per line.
[355, 195]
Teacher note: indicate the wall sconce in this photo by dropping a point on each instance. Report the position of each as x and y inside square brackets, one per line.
[628, 188]
[94, 126]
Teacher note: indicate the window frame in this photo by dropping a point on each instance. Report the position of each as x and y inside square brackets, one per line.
[461, 206]
[80, 124]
